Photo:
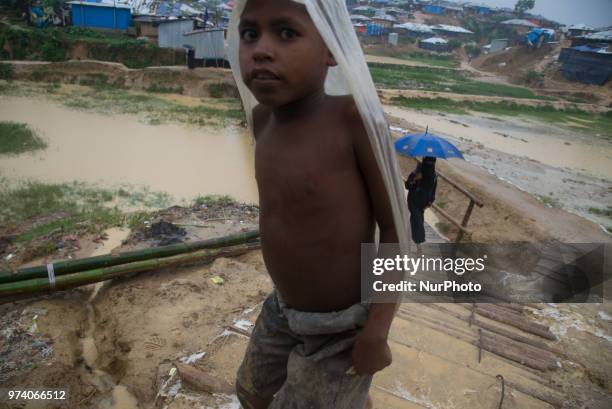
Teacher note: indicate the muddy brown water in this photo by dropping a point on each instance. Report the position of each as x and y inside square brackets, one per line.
[117, 149]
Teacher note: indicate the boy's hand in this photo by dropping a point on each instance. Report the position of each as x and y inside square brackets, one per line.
[371, 353]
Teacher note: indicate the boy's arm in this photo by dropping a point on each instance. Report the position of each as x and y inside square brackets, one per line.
[371, 352]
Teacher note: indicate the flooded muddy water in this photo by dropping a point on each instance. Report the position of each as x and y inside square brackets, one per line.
[111, 150]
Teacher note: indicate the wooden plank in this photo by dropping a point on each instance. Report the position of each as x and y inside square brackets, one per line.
[451, 219]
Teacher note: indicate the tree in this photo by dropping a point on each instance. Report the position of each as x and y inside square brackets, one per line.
[523, 5]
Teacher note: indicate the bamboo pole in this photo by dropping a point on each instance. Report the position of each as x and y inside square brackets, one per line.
[502, 331]
[202, 381]
[516, 321]
[451, 219]
[72, 266]
[41, 285]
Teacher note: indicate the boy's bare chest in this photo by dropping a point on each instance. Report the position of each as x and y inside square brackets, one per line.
[303, 164]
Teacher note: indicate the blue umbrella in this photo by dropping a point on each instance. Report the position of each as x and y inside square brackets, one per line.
[426, 144]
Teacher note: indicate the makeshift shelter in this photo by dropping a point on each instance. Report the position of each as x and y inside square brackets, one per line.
[171, 32]
[435, 44]
[385, 21]
[578, 30]
[433, 9]
[414, 30]
[147, 26]
[479, 9]
[497, 45]
[586, 64]
[100, 15]
[451, 31]
[600, 38]
[538, 36]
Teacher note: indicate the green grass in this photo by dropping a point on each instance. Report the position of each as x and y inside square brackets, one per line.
[52, 209]
[6, 71]
[213, 200]
[164, 90]
[442, 80]
[444, 227]
[55, 44]
[222, 90]
[599, 124]
[16, 138]
[549, 201]
[601, 212]
[444, 61]
[62, 208]
[154, 109]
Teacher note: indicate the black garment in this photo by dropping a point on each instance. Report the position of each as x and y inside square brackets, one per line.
[417, 223]
[421, 194]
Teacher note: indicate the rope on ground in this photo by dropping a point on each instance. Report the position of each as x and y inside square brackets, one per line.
[503, 389]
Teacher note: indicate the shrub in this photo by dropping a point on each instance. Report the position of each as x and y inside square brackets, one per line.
[6, 72]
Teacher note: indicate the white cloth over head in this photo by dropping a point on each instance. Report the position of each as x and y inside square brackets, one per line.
[350, 77]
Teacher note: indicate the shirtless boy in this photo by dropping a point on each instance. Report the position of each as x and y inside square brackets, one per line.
[315, 345]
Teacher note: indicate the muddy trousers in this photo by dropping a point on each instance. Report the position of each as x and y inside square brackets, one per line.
[302, 358]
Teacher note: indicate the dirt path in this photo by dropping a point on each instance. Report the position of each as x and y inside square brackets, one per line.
[556, 223]
[558, 104]
[397, 61]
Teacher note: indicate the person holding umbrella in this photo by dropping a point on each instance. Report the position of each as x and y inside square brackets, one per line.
[421, 185]
[422, 182]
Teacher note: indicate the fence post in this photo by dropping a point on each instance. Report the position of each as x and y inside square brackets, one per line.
[465, 220]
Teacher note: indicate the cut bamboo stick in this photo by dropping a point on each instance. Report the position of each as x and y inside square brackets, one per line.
[73, 266]
[202, 381]
[41, 285]
[502, 331]
[520, 322]
[491, 343]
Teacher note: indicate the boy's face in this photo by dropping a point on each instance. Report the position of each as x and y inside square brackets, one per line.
[282, 56]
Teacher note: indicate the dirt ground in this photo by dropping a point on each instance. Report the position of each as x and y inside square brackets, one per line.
[513, 65]
[114, 346]
[193, 82]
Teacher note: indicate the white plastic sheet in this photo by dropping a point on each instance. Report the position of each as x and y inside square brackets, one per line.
[350, 76]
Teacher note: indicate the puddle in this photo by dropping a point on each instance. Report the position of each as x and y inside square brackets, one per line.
[546, 144]
[111, 150]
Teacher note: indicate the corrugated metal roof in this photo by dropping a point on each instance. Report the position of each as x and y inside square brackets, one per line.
[519, 22]
[419, 28]
[600, 36]
[581, 26]
[435, 40]
[453, 29]
[385, 17]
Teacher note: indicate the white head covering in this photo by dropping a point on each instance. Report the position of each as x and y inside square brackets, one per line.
[350, 76]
